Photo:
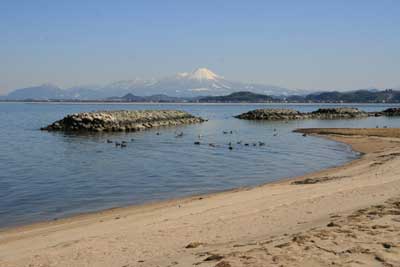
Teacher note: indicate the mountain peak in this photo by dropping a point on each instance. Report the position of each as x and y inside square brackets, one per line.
[203, 74]
[48, 86]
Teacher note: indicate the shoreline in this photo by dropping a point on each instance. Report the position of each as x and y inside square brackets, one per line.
[173, 201]
[216, 221]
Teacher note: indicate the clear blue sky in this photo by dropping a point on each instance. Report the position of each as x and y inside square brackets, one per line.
[296, 44]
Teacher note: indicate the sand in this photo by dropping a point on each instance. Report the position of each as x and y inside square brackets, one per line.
[344, 216]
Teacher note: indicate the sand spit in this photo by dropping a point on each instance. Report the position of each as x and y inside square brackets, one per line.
[349, 217]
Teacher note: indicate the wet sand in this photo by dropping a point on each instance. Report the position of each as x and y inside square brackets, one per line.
[343, 216]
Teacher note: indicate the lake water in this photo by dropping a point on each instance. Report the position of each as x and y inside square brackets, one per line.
[51, 175]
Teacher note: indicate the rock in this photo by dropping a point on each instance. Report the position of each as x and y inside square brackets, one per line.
[290, 114]
[387, 245]
[223, 264]
[214, 257]
[193, 245]
[391, 112]
[124, 120]
[338, 113]
[332, 224]
[271, 114]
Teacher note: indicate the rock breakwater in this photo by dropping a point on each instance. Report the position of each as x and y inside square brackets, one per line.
[122, 120]
[321, 114]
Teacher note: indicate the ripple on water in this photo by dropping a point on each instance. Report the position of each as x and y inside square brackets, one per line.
[47, 175]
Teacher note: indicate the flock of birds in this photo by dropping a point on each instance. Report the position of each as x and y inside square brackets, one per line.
[123, 144]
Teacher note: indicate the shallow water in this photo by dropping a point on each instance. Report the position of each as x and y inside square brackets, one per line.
[51, 175]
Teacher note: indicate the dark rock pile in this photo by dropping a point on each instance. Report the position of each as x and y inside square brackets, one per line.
[391, 112]
[289, 114]
[271, 114]
[337, 113]
[321, 114]
[113, 121]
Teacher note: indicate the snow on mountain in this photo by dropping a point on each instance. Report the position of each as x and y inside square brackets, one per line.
[203, 74]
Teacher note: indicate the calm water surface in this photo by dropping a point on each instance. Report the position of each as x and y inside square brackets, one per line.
[51, 175]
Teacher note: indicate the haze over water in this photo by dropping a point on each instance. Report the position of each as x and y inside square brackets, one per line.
[51, 175]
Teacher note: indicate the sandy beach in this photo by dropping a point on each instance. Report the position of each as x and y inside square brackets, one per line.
[343, 216]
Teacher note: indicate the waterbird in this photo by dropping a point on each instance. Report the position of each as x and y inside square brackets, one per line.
[261, 143]
[179, 134]
[224, 132]
[117, 144]
[158, 133]
[197, 143]
[304, 134]
[212, 145]
[109, 141]
[230, 147]
[275, 134]
[123, 145]
[199, 136]
[132, 140]
[246, 144]
[239, 142]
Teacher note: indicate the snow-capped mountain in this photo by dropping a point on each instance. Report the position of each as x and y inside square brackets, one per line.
[201, 82]
[189, 84]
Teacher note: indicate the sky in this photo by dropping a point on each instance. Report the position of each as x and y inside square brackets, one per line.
[321, 45]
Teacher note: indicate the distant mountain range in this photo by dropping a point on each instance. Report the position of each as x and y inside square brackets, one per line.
[201, 85]
[201, 82]
[359, 96]
[239, 97]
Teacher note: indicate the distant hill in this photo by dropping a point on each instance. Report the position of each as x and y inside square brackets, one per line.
[153, 98]
[52, 92]
[236, 97]
[359, 96]
[41, 92]
[49, 92]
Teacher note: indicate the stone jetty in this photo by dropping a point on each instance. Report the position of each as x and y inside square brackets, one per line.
[122, 120]
[320, 114]
[271, 114]
[390, 112]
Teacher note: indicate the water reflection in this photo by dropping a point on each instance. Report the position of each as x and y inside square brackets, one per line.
[51, 174]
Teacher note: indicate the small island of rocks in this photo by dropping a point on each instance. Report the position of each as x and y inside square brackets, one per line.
[122, 120]
[320, 114]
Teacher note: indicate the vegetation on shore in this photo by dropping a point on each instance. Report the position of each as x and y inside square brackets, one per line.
[359, 96]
